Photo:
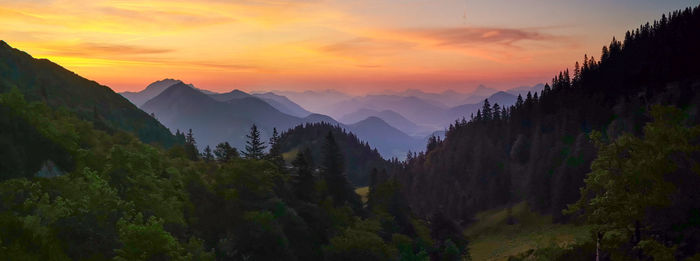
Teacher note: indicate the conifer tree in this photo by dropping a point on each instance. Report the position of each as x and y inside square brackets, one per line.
[224, 152]
[496, 112]
[191, 147]
[333, 171]
[254, 147]
[207, 154]
[304, 181]
[275, 156]
[486, 111]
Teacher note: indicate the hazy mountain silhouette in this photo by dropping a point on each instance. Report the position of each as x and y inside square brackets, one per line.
[466, 110]
[43, 80]
[279, 102]
[479, 94]
[235, 94]
[387, 139]
[315, 101]
[446, 98]
[415, 109]
[523, 90]
[152, 90]
[228, 117]
[391, 117]
[283, 104]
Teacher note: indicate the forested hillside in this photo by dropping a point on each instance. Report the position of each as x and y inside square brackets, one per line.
[359, 157]
[45, 81]
[113, 197]
[540, 149]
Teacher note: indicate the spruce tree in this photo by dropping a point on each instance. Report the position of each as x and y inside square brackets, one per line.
[207, 155]
[486, 111]
[275, 155]
[224, 152]
[333, 171]
[496, 112]
[191, 147]
[304, 181]
[254, 147]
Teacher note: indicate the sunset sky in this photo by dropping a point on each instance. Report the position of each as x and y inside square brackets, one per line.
[356, 46]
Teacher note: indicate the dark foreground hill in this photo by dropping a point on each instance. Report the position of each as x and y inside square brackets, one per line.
[45, 81]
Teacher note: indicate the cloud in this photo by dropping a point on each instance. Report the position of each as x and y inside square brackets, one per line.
[365, 46]
[102, 50]
[464, 36]
[179, 17]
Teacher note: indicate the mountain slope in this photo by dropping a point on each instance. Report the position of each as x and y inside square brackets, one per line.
[183, 107]
[283, 104]
[43, 80]
[393, 118]
[387, 139]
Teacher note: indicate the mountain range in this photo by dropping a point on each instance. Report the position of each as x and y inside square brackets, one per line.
[228, 117]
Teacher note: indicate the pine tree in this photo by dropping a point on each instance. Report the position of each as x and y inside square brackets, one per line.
[254, 147]
[486, 111]
[304, 181]
[191, 147]
[496, 112]
[224, 152]
[333, 171]
[519, 101]
[275, 156]
[207, 155]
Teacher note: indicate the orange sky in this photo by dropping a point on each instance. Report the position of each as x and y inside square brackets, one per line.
[355, 46]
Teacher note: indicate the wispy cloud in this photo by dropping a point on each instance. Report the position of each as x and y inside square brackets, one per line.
[364, 46]
[102, 50]
[481, 35]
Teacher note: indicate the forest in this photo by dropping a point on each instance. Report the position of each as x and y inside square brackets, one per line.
[96, 195]
[612, 143]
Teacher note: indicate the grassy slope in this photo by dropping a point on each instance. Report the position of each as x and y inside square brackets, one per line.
[492, 238]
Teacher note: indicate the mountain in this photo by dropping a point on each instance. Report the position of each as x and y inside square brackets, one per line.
[44, 81]
[415, 109]
[283, 104]
[229, 116]
[152, 90]
[523, 90]
[388, 140]
[315, 101]
[279, 102]
[393, 118]
[466, 110]
[213, 121]
[478, 95]
[446, 98]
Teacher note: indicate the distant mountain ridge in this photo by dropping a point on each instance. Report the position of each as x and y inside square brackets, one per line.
[152, 90]
[391, 117]
[228, 117]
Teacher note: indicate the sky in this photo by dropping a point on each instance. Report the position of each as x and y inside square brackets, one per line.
[354, 46]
